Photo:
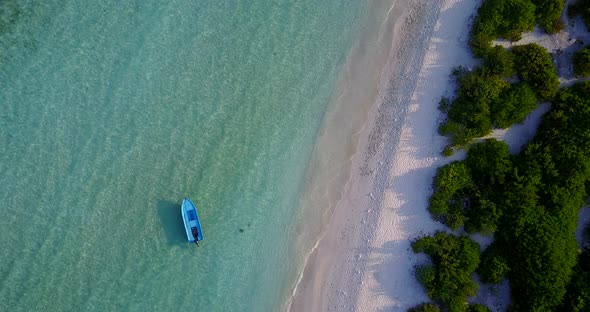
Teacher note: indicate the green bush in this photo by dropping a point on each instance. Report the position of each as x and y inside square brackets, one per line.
[532, 199]
[513, 105]
[448, 151]
[444, 105]
[581, 7]
[451, 178]
[425, 307]
[484, 99]
[508, 19]
[542, 203]
[534, 66]
[461, 197]
[494, 270]
[490, 164]
[548, 14]
[478, 308]
[499, 61]
[582, 62]
[500, 19]
[455, 217]
[450, 185]
[481, 215]
[459, 134]
[493, 267]
[469, 114]
[454, 259]
[540, 251]
[426, 275]
[577, 298]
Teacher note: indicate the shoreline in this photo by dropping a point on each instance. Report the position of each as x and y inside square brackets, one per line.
[360, 83]
[344, 246]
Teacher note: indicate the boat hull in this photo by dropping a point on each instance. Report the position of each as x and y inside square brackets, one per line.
[192, 225]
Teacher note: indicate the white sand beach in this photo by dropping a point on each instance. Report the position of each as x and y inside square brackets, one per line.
[364, 261]
[388, 283]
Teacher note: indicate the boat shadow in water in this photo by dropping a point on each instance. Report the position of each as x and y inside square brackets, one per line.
[171, 220]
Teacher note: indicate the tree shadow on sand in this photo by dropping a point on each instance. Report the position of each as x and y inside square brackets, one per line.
[171, 221]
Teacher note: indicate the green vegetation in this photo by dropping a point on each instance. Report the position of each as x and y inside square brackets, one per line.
[499, 61]
[448, 279]
[493, 267]
[490, 165]
[549, 188]
[534, 66]
[501, 19]
[548, 14]
[451, 184]
[478, 308]
[513, 105]
[425, 307]
[485, 100]
[429, 307]
[530, 200]
[462, 188]
[577, 298]
[469, 114]
[581, 7]
[582, 62]
[448, 151]
[508, 19]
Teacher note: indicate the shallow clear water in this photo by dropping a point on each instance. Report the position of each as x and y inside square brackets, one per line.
[111, 113]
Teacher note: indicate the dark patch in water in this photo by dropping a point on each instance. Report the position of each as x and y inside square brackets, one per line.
[171, 221]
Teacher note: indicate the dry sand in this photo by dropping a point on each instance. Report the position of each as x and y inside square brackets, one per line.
[388, 283]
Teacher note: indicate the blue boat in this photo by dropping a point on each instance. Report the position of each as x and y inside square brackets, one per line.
[192, 225]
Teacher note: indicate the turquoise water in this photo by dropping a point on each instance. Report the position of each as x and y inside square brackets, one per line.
[111, 113]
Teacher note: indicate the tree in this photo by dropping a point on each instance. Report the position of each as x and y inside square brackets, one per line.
[493, 267]
[478, 308]
[513, 105]
[450, 185]
[500, 18]
[425, 307]
[469, 114]
[542, 202]
[548, 14]
[449, 278]
[534, 66]
[499, 61]
[582, 62]
[532, 199]
[577, 298]
[490, 165]
[580, 7]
